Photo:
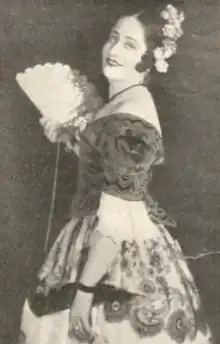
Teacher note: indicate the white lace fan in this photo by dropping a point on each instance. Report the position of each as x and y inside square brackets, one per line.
[65, 98]
[56, 90]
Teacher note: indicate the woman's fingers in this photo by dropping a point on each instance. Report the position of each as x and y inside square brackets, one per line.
[87, 328]
[50, 131]
[80, 329]
[75, 329]
[56, 133]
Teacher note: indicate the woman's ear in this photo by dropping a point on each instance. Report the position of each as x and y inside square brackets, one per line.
[145, 63]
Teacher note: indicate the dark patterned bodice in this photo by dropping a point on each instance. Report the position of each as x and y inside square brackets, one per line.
[116, 156]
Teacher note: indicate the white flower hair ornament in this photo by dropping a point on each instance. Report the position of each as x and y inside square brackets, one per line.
[171, 32]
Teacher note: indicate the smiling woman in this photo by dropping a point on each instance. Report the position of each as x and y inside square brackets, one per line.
[123, 51]
[115, 275]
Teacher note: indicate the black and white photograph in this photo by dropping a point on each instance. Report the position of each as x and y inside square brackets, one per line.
[110, 172]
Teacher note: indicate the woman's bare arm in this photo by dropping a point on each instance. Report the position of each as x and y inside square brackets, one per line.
[101, 257]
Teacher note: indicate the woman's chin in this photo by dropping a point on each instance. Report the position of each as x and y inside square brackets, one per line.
[112, 74]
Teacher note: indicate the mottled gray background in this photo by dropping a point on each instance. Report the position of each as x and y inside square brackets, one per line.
[188, 100]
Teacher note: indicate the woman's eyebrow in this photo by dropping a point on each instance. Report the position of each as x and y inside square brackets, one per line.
[132, 39]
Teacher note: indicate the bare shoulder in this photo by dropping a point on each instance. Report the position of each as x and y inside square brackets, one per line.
[139, 101]
[141, 94]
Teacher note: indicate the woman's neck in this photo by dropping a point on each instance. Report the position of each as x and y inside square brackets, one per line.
[118, 86]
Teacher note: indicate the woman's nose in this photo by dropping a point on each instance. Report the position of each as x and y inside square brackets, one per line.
[115, 48]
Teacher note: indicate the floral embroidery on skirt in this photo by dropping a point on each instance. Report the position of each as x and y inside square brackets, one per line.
[163, 303]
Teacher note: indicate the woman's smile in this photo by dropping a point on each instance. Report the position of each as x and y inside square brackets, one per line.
[124, 48]
[112, 62]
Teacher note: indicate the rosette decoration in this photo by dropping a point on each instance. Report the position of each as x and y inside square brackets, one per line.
[65, 98]
[171, 32]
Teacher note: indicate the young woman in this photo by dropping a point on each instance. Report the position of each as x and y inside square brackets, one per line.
[130, 279]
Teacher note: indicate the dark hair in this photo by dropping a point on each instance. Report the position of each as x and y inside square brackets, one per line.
[152, 24]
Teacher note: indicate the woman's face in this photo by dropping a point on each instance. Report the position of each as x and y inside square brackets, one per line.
[123, 50]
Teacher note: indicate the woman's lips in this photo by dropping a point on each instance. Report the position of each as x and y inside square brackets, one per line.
[112, 63]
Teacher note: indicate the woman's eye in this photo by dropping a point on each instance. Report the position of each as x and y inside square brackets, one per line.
[129, 45]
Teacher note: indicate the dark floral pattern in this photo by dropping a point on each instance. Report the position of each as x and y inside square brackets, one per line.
[146, 323]
[161, 306]
[125, 148]
[116, 310]
[147, 313]
[147, 286]
[178, 326]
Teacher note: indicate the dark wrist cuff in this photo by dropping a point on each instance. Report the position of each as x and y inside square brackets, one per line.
[85, 288]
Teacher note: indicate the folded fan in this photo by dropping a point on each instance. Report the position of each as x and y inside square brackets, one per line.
[56, 90]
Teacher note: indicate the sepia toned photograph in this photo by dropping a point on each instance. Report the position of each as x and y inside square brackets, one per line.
[110, 172]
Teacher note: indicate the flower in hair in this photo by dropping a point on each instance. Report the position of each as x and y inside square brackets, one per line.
[171, 32]
[174, 19]
[161, 66]
[172, 15]
[158, 53]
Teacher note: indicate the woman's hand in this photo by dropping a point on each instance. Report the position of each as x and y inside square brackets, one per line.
[80, 317]
[57, 133]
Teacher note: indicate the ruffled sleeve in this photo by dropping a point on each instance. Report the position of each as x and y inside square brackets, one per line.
[128, 147]
[127, 139]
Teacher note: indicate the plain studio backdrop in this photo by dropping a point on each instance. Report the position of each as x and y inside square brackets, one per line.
[188, 101]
